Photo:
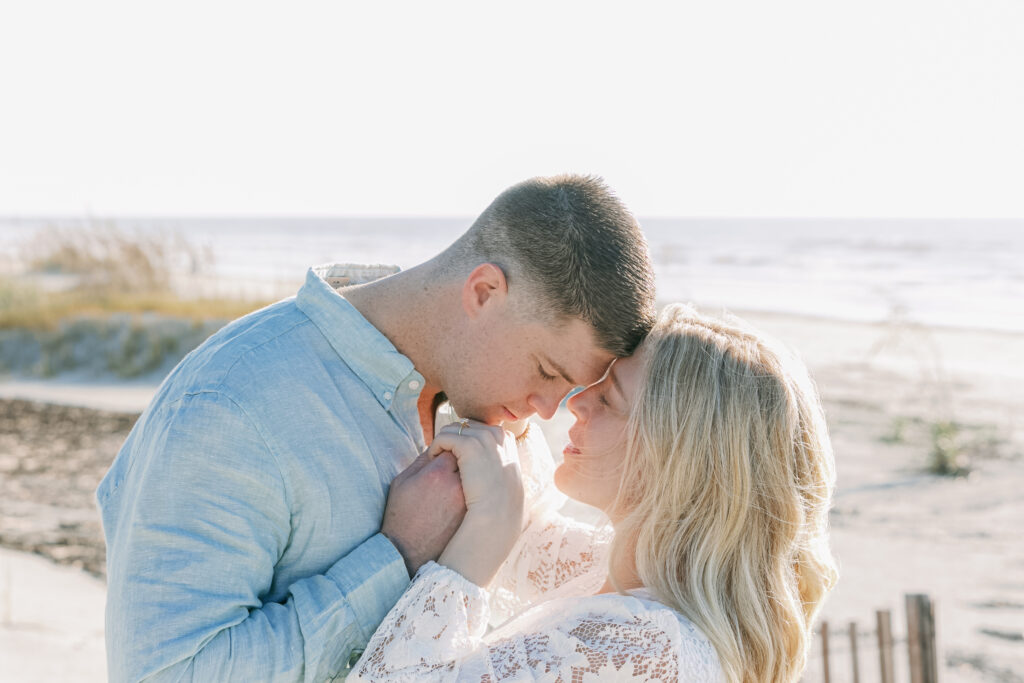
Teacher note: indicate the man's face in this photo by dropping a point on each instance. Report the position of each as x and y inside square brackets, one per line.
[509, 368]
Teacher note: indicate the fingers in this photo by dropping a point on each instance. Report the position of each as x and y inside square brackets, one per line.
[444, 443]
[473, 427]
[460, 436]
[472, 446]
[438, 474]
[416, 465]
[444, 461]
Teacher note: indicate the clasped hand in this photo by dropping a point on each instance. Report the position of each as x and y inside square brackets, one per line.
[488, 464]
[460, 502]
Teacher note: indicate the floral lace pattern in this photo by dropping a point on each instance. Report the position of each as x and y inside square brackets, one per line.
[555, 557]
[436, 632]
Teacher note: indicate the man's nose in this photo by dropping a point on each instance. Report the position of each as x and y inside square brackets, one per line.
[545, 406]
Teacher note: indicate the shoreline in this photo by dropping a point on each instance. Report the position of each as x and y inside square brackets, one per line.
[770, 314]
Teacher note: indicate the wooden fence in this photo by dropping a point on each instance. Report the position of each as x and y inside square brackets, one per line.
[853, 654]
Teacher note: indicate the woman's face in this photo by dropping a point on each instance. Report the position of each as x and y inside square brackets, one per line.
[593, 460]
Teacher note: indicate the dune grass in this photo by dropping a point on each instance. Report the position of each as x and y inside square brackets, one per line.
[106, 257]
[101, 299]
[31, 308]
[106, 269]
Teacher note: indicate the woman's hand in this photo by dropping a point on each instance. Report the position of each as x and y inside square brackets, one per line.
[488, 465]
[493, 490]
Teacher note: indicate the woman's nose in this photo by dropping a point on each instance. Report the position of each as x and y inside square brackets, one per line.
[576, 404]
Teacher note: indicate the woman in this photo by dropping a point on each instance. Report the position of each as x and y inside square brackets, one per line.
[709, 453]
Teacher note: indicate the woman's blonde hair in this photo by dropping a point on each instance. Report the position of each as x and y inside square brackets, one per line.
[726, 492]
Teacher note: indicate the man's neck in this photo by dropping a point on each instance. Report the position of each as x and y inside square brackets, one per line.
[411, 309]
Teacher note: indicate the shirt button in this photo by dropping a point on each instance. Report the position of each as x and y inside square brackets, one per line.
[414, 385]
[387, 395]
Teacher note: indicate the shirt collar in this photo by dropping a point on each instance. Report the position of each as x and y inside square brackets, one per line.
[370, 355]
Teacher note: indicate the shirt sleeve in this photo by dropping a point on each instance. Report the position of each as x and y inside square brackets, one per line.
[203, 520]
[435, 633]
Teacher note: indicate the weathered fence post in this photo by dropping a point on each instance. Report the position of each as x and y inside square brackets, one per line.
[824, 652]
[884, 621]
[921, 639]
[853, 652]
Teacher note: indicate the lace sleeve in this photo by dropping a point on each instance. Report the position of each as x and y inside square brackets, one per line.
[434, 634]
[439, 618]
[556, 555]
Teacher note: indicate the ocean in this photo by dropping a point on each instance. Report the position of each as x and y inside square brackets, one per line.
[959, 273]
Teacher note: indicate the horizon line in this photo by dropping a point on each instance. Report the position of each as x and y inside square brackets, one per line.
[36, 216]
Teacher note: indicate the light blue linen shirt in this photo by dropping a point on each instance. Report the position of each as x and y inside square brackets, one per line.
[242, 515]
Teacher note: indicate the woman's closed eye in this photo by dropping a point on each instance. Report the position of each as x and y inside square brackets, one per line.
[545, 375]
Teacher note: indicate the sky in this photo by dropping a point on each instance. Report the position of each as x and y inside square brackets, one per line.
[874, 108]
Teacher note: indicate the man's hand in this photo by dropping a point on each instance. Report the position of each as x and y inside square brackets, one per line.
[493, 489]
[425, 507]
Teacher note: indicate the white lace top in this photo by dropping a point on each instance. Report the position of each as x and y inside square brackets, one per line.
[438, 631]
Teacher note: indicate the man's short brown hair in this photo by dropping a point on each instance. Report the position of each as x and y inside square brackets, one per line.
[576, 249]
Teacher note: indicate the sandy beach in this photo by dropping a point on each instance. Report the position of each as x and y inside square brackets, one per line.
[897, 529]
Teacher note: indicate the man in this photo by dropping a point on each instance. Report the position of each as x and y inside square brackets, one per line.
[243, 514]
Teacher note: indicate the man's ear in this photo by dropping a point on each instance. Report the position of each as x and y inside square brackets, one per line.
[485, 286]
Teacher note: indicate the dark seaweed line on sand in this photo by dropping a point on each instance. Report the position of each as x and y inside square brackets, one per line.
[52, 458]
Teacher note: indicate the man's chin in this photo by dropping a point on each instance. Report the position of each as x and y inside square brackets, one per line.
[501, 417]
[493, 416]
[517, 427]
